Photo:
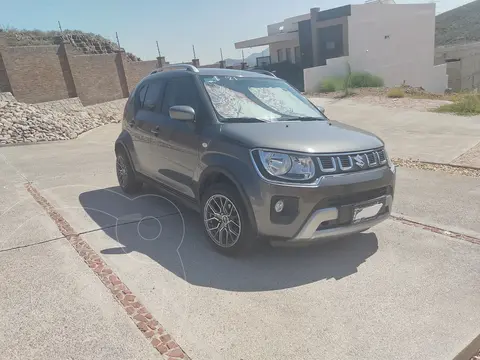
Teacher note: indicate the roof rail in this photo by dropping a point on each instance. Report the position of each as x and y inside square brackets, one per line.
[186, 67]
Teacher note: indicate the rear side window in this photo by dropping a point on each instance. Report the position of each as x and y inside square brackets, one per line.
[140, 97]
[153, 96]
[180, 91]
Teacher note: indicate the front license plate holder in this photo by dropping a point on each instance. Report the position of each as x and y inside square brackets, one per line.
[366, 211]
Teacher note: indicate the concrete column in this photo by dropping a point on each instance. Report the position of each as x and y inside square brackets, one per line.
[120, 61]
[4, 81]
[161, 61]
[315, 44]
[62, 53]
[196, 62]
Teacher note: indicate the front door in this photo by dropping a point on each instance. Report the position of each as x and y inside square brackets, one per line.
[178, 141]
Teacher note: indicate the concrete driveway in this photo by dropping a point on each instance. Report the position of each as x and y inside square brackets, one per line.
[424, 136]
[397, 291]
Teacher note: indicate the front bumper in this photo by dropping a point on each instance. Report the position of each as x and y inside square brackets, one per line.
[312, 231]
[325, 211]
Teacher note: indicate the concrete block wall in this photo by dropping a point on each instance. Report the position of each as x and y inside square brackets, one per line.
[136, 71]
[35, 73]
[96, 78]
[38, 74]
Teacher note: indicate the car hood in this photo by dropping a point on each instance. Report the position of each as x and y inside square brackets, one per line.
[302, 136]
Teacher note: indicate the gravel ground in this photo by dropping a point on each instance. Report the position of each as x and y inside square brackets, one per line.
[451, 169]
[377, 96]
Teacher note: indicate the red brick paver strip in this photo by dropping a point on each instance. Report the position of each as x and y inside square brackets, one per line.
[138, 313]
[437, 230]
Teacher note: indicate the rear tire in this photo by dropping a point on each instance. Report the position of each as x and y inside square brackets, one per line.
[126, 176]
[225, 220]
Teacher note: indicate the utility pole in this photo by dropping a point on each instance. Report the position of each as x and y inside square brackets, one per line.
[194, 55]
[118, 41]
[60, 27]
[243, 57]
[221, 54]
[158, 49]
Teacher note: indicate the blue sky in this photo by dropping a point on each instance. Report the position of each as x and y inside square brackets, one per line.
[176, 24]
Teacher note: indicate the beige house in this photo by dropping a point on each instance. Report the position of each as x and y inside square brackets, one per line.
[463, 65]
[394, 41]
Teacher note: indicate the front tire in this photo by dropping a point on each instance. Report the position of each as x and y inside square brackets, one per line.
[225, 220]
[126, 175]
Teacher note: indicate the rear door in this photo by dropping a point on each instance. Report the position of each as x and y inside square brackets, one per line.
[140, 148]
[147, 123]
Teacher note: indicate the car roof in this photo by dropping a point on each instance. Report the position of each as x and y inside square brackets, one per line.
[209, 72]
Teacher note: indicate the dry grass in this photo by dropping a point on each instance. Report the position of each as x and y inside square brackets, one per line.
[396, 93]
[465, 105]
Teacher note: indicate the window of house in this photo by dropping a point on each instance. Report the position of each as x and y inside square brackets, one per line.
[180, 91]
[288, 53]
[298, 57]
[330, 45]
[280, 55]
[152, 98]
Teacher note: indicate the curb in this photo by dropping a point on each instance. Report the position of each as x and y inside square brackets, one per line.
[470, 351]
[394, 159]
[472, 237]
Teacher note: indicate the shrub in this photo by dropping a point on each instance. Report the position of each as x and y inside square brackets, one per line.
[365, 79]
[331, 84]
[396, 93]
[467, 105]
[327, 86]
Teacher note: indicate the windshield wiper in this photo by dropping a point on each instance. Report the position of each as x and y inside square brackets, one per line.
[303, 118]
[243, 120]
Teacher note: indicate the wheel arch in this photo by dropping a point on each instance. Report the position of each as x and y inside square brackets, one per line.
[217, 174]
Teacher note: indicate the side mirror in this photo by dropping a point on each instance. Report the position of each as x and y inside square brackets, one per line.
[182, 113]
[321, 108]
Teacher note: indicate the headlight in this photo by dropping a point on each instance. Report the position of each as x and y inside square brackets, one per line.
[284, 166]
[389, 161]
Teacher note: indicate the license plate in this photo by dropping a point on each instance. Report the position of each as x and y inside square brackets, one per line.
[366, 212]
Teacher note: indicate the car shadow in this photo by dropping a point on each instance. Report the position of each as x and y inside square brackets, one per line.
[172, 235]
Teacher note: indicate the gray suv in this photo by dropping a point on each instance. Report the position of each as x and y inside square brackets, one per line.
[253, 156]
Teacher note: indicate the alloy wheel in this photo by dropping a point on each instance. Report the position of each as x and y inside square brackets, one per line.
[222, 220]
[122, 171]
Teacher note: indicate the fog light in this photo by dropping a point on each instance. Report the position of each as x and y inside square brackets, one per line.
[279, 206]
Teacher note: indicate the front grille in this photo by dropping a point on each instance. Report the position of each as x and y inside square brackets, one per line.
[359, 197]
[352, 162]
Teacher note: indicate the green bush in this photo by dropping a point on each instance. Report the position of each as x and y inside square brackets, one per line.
[331, 84]
[467, 105]
[365, 79]
[327, 86]
[353, 80]
[396, 93]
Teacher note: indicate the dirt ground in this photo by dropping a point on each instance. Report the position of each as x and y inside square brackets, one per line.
[415, 99]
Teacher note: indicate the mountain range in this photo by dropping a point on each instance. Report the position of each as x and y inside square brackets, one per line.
[251, 59]
[458, 26]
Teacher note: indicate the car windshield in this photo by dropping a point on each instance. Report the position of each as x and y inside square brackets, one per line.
[237, 98]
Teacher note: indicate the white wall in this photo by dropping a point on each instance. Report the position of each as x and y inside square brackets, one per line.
[313, 76]
[396, 42]
[290, 24]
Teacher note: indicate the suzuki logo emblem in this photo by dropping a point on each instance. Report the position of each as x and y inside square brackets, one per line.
[359, 161]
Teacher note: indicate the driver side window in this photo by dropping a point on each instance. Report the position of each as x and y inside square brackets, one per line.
[180, 91]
